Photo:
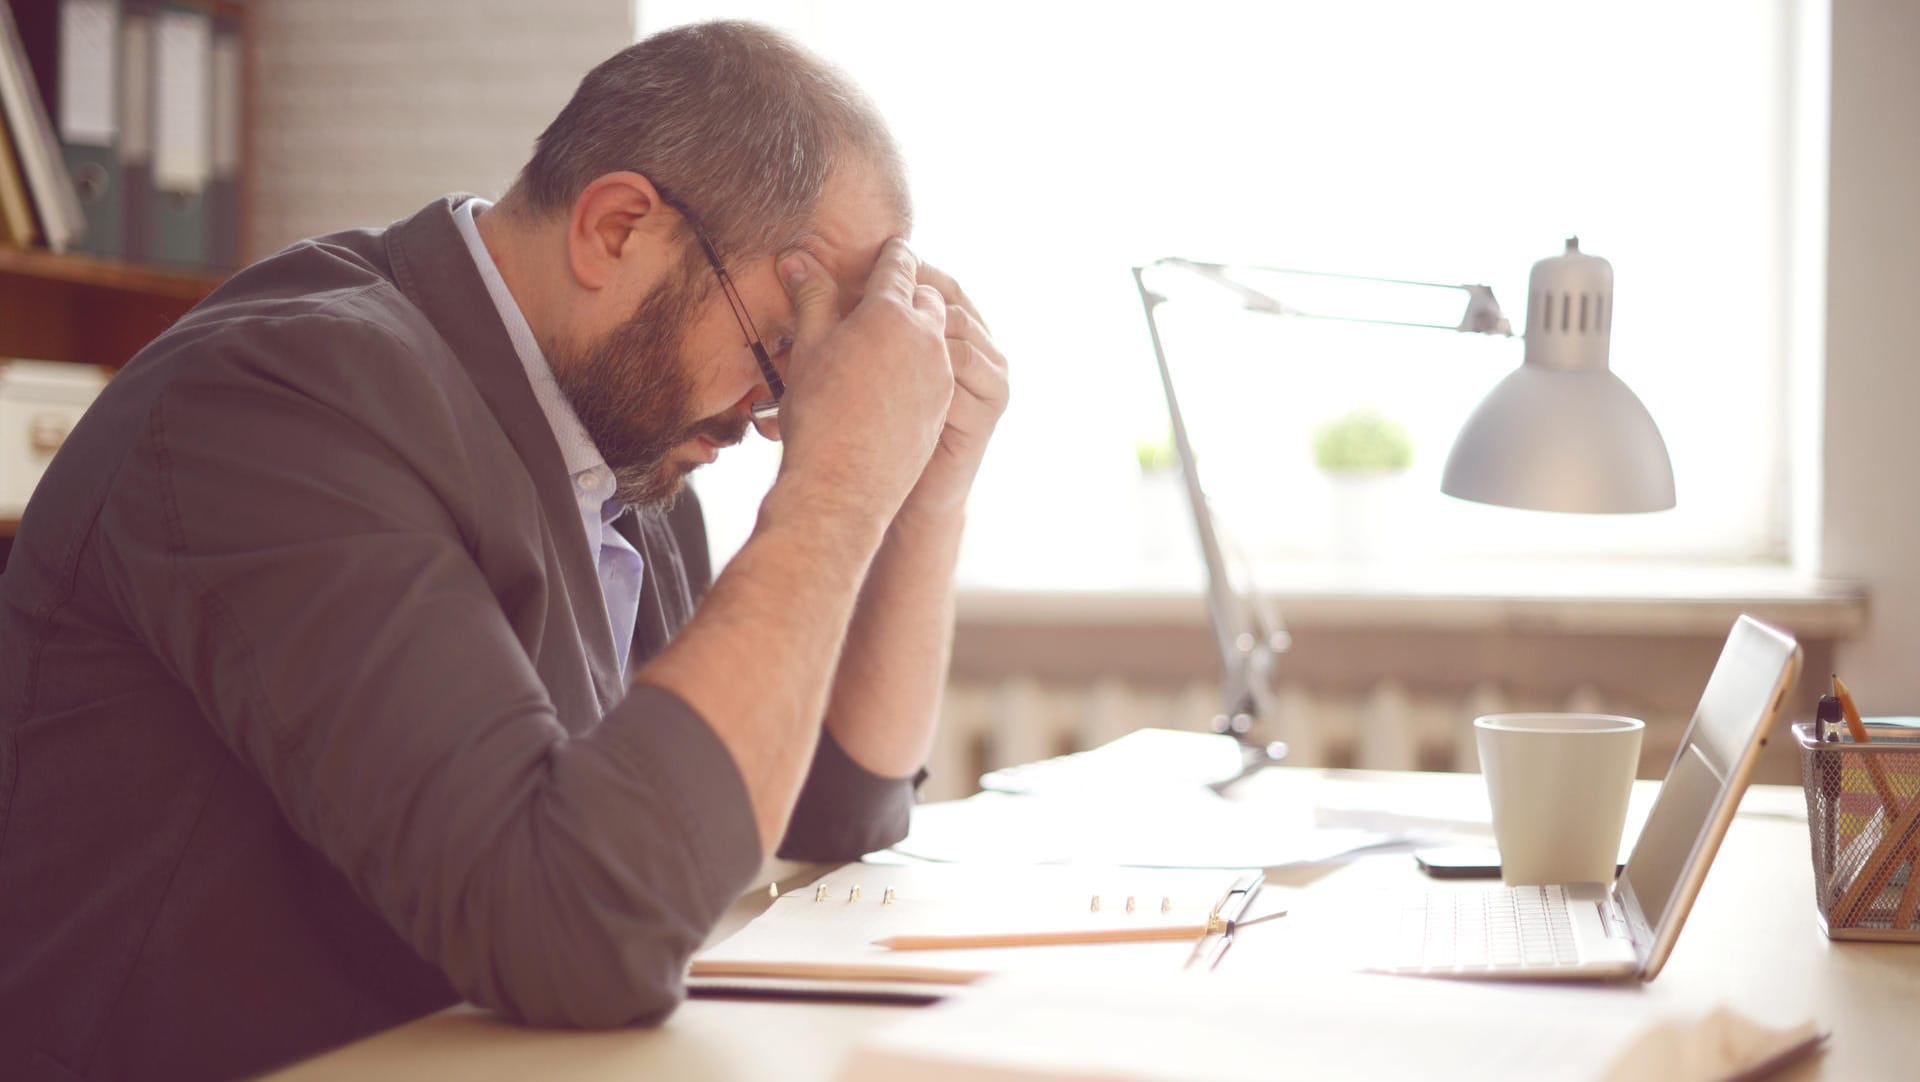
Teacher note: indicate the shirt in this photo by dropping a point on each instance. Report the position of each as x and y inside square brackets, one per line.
[619, 563]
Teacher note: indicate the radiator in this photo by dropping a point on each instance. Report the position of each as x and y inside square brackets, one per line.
[1385, 726]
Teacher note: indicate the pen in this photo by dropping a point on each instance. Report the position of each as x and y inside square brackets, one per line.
[1858, 730]
[1226, 917]
[1825, 716]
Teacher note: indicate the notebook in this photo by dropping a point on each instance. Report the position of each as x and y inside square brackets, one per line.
[822, 939]
[1628, 927]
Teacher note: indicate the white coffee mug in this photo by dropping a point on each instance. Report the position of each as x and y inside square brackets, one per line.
[1558, 784]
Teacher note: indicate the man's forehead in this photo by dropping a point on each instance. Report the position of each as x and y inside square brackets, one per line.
[857, 214]
[850, 269]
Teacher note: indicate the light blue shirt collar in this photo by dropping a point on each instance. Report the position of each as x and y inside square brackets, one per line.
[618, 564]
[585, 465]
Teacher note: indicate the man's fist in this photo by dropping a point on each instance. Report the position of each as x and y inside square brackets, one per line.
[868, 393]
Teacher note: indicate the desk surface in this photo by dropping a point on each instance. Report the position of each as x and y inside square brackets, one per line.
[1752, 941]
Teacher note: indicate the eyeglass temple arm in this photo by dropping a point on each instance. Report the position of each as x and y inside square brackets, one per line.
[774, 383]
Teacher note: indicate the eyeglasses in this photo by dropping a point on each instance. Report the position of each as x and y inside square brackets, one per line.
[767, 409]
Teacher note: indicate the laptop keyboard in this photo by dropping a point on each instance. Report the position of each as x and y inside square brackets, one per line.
[1493, 928]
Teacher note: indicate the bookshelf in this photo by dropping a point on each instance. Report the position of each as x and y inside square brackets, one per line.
[58, 306]
[85, 309]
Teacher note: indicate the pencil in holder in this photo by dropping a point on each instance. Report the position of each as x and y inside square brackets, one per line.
[1863, 819]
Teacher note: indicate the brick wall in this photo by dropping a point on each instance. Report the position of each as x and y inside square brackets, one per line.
[360, 111]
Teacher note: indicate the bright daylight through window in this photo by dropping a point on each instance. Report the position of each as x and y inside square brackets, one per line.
[1054, 146]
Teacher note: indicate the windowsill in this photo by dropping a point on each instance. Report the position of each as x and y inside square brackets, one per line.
[1605, 598]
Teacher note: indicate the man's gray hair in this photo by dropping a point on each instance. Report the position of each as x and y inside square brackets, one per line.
[734, 118]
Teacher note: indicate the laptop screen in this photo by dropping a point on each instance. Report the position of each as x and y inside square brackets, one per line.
[1755, 668]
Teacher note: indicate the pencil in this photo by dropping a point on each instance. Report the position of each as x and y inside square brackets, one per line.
[1876, 774]
[1143, 934]
[1877, 870]
[1910, 896]
[1896, 847]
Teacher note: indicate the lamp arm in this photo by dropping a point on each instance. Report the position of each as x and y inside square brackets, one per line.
[1482, 316]
[1241, 651]
[1247, 645]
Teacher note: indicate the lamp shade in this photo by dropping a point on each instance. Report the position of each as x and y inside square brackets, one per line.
[1563, 433]
[1561, 441]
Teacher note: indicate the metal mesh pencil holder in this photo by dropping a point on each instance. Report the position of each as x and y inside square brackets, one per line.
[1863, 818]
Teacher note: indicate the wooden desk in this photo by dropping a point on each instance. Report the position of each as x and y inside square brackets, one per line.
[1751, 941]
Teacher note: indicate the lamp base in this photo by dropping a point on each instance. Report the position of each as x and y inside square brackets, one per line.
[1254, 757]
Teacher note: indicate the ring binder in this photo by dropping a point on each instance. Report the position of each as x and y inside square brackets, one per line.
[937, 924]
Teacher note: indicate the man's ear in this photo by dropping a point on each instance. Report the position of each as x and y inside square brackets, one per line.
[619, 222]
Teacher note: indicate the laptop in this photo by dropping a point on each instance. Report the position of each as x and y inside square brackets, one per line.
[1626, 928]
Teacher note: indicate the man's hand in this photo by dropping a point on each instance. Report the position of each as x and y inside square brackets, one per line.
[866, 397]
[886, 693]
[867, 394]
[979, 398]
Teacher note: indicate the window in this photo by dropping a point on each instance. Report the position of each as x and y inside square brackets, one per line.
[1052, 147]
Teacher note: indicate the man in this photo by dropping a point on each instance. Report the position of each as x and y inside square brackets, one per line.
[316, 637]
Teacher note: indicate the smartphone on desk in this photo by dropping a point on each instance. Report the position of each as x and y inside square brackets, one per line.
[1463, 862]
[1459, 861]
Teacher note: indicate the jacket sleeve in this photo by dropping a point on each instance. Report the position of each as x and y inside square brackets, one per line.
[846, 810]
[293, 534]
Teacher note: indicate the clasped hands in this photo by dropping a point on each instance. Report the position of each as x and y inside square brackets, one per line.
[898, 396]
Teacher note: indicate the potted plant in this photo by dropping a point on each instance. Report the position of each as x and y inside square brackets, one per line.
[1364, 455]
[1164, 521]
[1157, 456]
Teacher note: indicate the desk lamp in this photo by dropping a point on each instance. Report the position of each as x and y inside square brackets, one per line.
[1561, 433]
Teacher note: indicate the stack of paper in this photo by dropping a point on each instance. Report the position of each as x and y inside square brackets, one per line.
[1193, 829]
[1143, 761]
[1323, 1026]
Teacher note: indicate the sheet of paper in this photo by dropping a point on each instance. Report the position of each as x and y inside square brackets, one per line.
[1349, 1026]
[1367, 801]
[1143, 761]
[1192, 829]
